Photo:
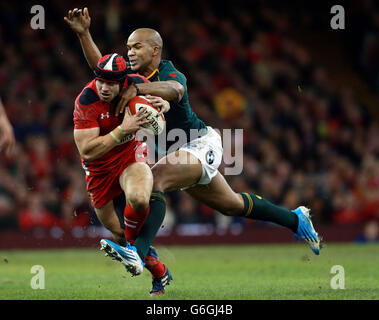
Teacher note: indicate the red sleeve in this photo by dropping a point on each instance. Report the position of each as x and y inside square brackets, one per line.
[85, 116]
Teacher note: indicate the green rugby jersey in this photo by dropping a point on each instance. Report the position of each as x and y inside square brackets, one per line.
[180, 115]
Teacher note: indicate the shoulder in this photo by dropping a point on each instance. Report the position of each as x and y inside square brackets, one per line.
[171, 73]
[88, 95]
[135, 78]
[87, 106]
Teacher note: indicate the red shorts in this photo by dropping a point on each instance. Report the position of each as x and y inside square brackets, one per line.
[104, 186]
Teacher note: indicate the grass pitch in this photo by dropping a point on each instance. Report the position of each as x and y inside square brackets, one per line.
[242, 272]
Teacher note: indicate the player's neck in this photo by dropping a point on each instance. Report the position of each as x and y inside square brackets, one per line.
[151, 68]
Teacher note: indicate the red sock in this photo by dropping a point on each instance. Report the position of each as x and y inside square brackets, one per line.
[133, 221]
[156, 268]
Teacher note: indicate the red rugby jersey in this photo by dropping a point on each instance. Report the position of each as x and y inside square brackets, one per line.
[91, 112]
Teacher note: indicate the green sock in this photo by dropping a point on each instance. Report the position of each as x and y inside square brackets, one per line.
[152, 223]
[258, 208]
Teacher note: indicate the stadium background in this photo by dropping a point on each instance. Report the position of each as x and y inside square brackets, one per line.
[305, 95]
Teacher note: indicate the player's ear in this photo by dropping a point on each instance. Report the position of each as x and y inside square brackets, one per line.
[156, 51]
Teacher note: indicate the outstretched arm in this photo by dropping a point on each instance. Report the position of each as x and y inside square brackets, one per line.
[7, 139]
[167, 90]
[80, 21]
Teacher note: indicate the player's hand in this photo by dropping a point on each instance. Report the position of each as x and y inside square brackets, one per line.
[127, 93]
[160, 103]
[78, 20]
[132, 123]
[7, 139]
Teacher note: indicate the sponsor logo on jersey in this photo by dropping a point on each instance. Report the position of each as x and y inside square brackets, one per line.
[210, 157]
[106, 115]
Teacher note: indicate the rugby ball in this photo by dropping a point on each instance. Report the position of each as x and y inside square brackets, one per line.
[157, 122]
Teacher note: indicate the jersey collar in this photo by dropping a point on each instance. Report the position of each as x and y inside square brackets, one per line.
[154, 74]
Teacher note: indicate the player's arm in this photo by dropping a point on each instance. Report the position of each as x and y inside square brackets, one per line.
[7, 139]
[168, 90]
[92, 146]
[80, 21]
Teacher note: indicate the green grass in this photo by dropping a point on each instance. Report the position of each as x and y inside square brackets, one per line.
[200, 272]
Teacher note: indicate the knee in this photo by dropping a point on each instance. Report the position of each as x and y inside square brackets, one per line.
[139, 200]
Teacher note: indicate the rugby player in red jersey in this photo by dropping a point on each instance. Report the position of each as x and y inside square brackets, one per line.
[113, 160]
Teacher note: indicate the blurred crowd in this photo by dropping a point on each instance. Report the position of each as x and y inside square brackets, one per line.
[305, 141]
[363, 38]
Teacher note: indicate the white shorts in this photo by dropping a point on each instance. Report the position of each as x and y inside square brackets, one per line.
[208, 149]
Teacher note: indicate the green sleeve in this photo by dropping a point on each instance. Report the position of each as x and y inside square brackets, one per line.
[178, 76]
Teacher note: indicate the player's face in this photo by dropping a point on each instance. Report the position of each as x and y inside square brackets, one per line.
[140, 53]
[107, 90]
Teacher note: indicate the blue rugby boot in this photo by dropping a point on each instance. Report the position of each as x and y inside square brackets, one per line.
[159, 284]
[153, 264]
[128, 256]
[306, 231]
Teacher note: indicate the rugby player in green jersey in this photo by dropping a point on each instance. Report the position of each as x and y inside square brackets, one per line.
[193, 167]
